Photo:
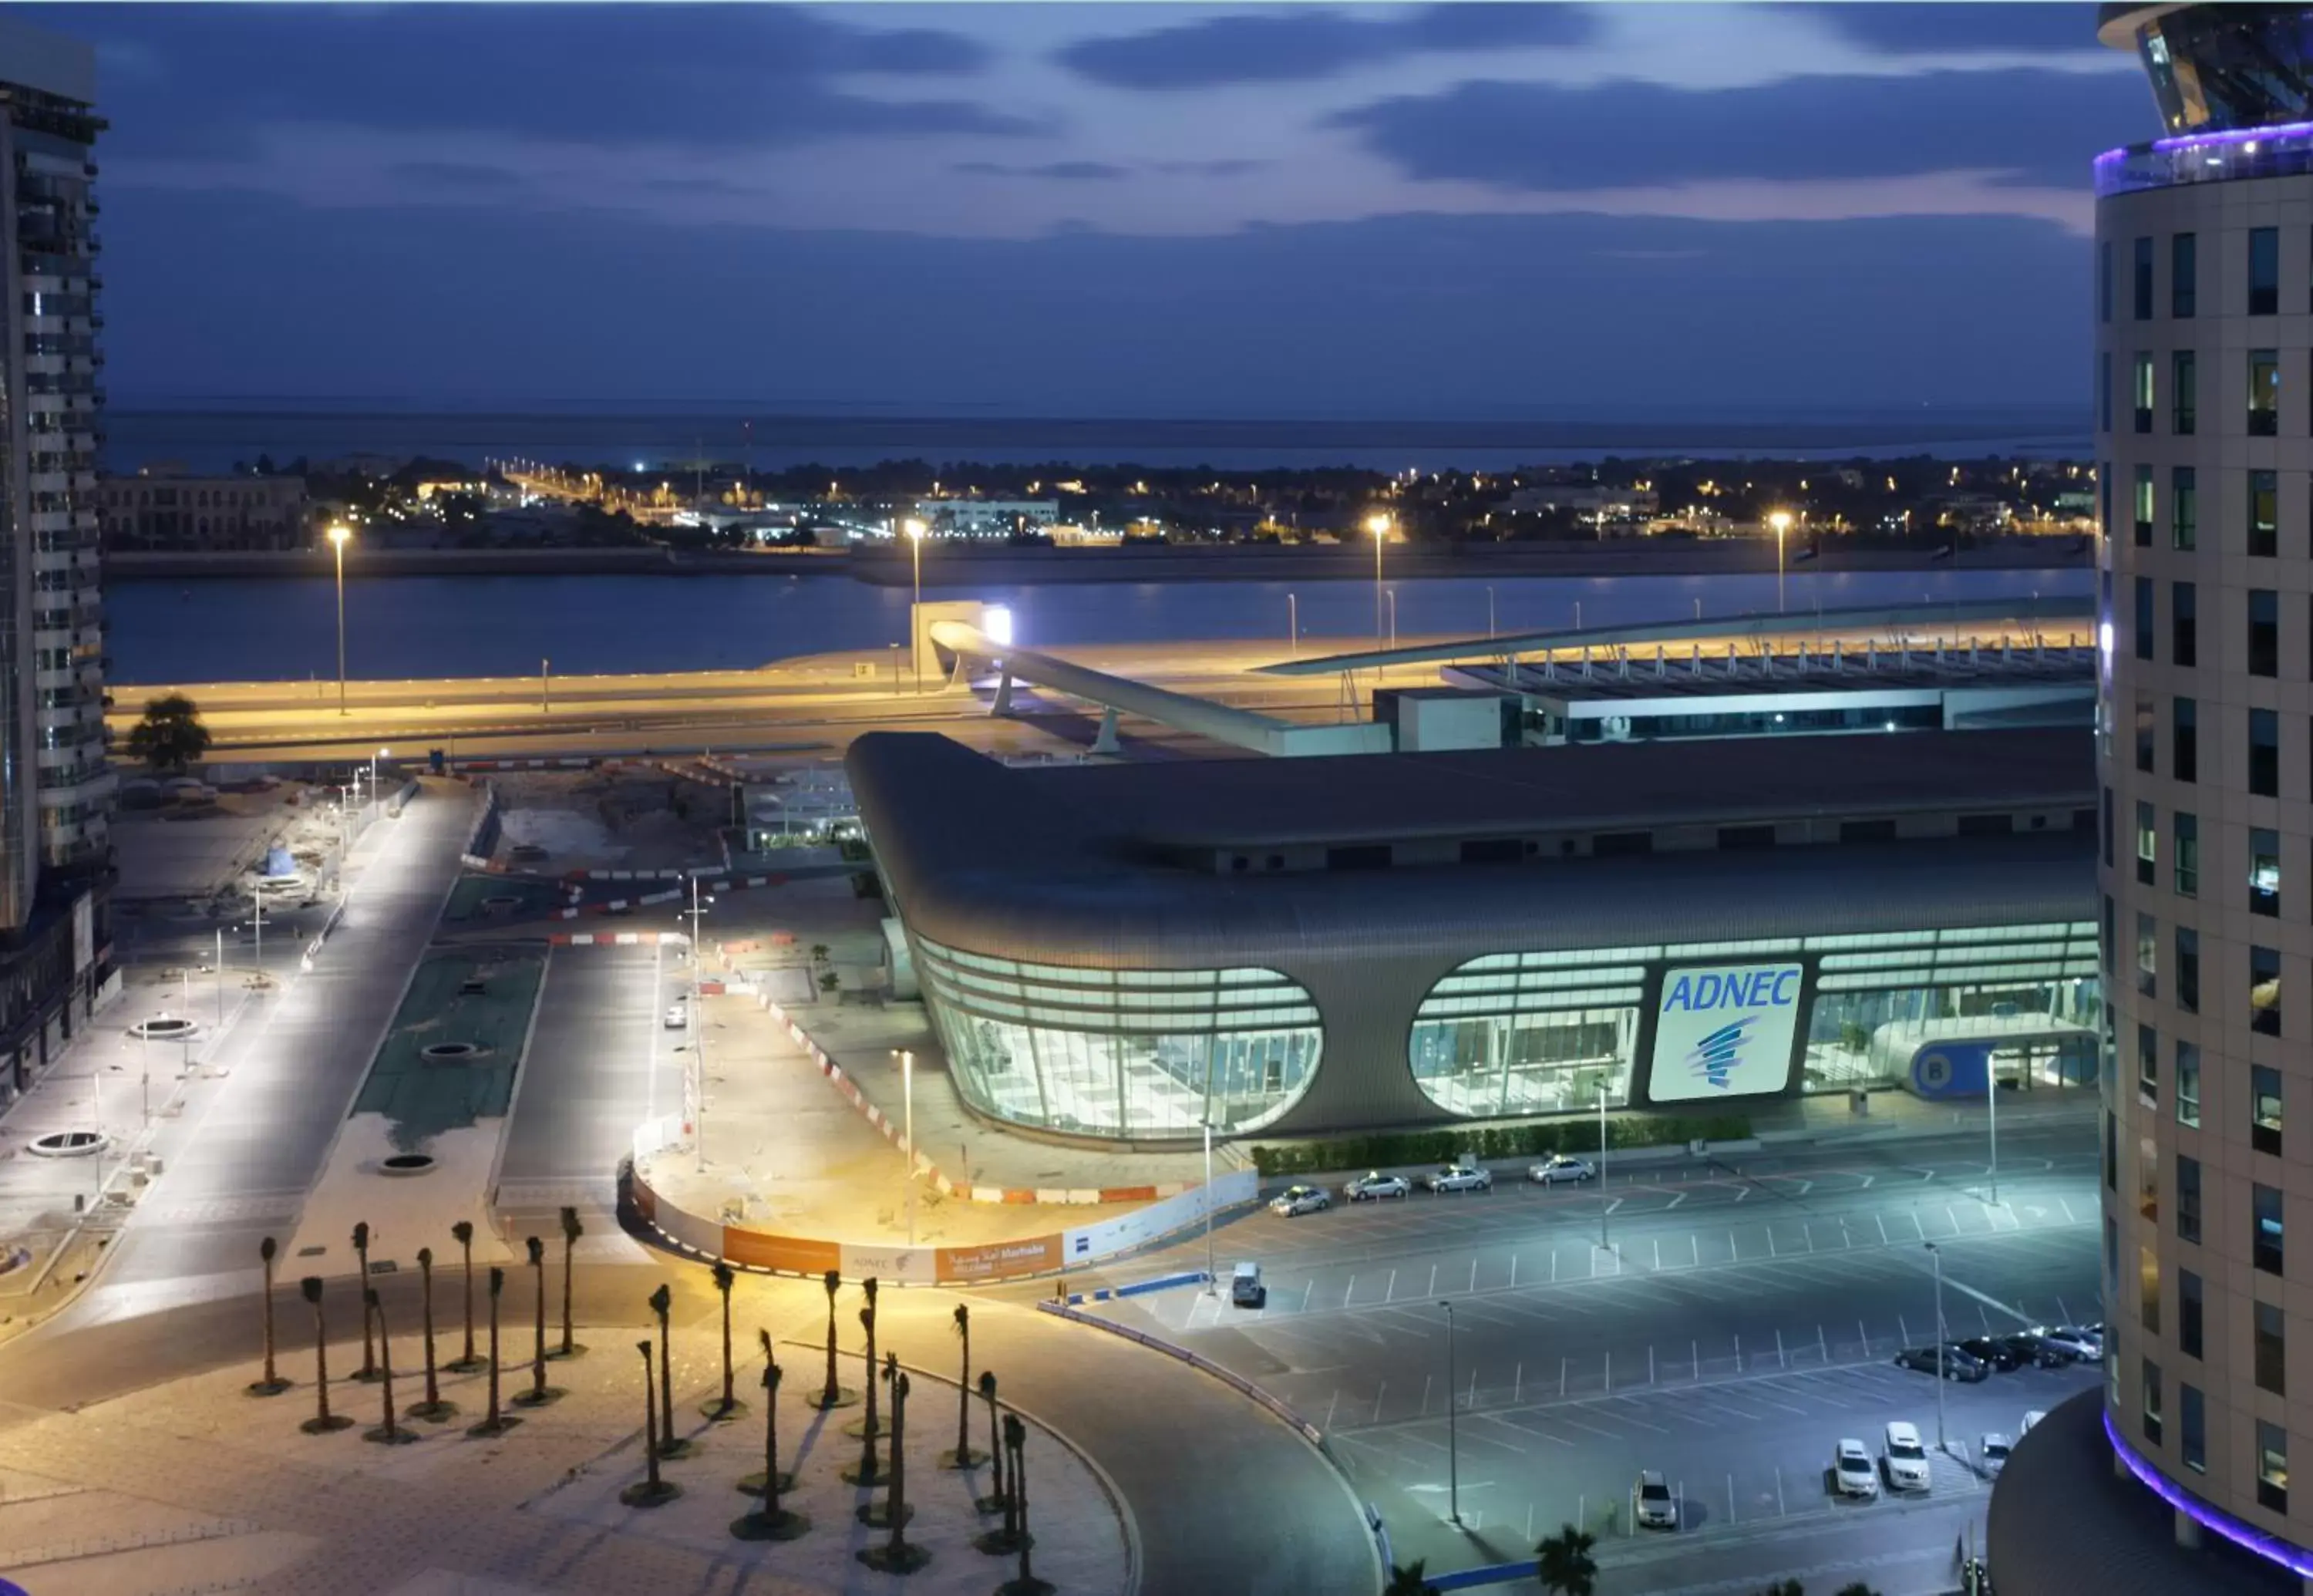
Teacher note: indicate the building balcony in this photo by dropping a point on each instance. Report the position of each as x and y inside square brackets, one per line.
[2206, 158]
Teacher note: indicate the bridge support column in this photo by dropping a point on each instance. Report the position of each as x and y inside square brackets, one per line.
[1002, 704]
[1106, 742]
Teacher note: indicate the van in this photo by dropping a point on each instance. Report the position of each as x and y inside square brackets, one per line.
[1246, 1289]
[1903, 1458]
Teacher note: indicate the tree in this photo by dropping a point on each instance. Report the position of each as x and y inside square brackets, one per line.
[964, 1457]
[1791, 1587]
[368, 1370]
[388, 1433]
[1858, 1588]
[323, 1421]
[650, 1491]
[494, 1422]
[831, 1395]
[661, 1301]
[540, 1393]
[864, 1472]
[271, 1384]
[769, 1521]
[895, 1556]
[996, 1501]
[818, 953]
[571, 1231]
[727, 1406]
[829, 981]
[432, 1408]
[171, 737]
[1016, 1438]
[1566, 1565]
[1407, 1580]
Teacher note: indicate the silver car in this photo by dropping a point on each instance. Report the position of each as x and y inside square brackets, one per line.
[1560, 1167]
[1374, 1186]
[1994, 1449]
[1300, 1199]
[1460, 1177]
[1657, 1509]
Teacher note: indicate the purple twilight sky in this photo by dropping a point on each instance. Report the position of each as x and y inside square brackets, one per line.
[1460, 210]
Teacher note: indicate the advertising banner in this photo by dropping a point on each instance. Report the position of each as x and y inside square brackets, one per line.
[1724, 1031]
[893, 1265]
[792, 1253]
[1034, 1255]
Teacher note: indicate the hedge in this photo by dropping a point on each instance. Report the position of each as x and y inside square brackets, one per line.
[1382, 1149]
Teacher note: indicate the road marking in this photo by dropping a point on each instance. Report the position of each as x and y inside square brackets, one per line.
[1336, 1402]
[1650, 1362]
[1771, 1241]
[1377, 1396]
[1473, 1273]
[1517, 1385]
[1390, 1295]
[1658, 1252]
[1780, 1356]
[1742, 1191]
[1739, 1353]
[1425, 1390]
[1694, 1351]
[1433, 1282]
[1882, 1224]
[1674, 1202]
[1780, 1510]
[1868, 1179]
[1561, 1368]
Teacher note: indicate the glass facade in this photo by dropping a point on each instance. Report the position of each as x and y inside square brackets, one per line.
[2225, 66]
[1532, 1033]
[1119, 1053]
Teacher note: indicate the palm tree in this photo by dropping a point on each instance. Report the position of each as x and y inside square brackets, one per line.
[495, 1422]
[1566, 1565]
[323, 1421]
[769, 1521]
[388, 1433]
[650, 1491]
[368, 1370]
[832, 1395]
[1407, 1580]
[540, 1393]
[726, 1408]
[466, 1362]
[571, 1231]
[895, 1556]
[864, 1472]
[661, 1301]
[996, 1501]
[964, 1457]
[1026, 1583]
[433, 1409]
[272, 1384]
[1856, 1589]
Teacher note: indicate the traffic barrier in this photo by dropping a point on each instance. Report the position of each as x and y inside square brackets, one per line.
[617, 940]
[1163, 1282]
[400, 801]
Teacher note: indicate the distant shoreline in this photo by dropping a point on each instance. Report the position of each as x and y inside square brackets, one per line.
[948, 566]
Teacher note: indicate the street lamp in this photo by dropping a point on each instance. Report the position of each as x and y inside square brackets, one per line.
[915, 530]
[337, 534]
[1936, 1253]
[381, 754]
[1379, 526]
[1604, 1206]
[698, 1033]
[1780, 520]
[1453, 1439]
[1212, 1280]
[908, 1120]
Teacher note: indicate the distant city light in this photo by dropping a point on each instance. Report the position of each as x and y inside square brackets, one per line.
[996, 620]
[2103, 643]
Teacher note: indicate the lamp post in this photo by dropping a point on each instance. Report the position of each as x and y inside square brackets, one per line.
[1604, 1205]
[697, 1035]
[915, 530]
[1212, 1281]
[1780, 520]
[1490, 610]
[337, 534]
[381, 754]
[1992, 1105]
[1453, 1438]
[1393, 617]
[1379, 526]
[1936, 1253]
[1293, 623]
[908, 1119]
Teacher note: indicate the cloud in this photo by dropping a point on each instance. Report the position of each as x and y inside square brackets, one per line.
[455, 174]
[1233, 166]
[603, 75]
[1306, 45]
[2039, 127]
[1897, 27]
[1067, 171]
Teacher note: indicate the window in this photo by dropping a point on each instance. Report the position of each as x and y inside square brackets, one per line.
[2264, 1239]
[2184, 739]
[2263, 271]
[2183, 393]
[2111, 1157]
[2188, 969]
[2183, 275]
[2187, 830]
[2144, 507]
[2265, 992]
[2104, 282]
[2188, 1087]
[2104, 392]
[2264, 393]
[2271, 1351]
[2142, 389]
[2148, 843]
[2188, 1214]
[2264, 513]
[2143, 617]
[2189, 1327]
[2184, 623]
[2263, 1108]
[2184, 508]
[2264, 632]
[2141, 279]
[2193, 1428]
[2148, 1290]
[2265, 872]
[2271, 1467]
[2148, 1205]
[2104, 827]
[2151, 1402]
[2147, 954]
[2265, 754]
[2148, 1065]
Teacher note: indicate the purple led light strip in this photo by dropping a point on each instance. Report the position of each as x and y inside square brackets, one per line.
[2281, 130]
[2247, 1537]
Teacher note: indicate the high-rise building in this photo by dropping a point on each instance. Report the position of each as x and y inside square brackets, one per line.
[55, 785]
[2202, 387]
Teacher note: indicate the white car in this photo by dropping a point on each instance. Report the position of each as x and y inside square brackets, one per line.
[1460, 1177]
[1655, 1509]
[2030, 1419]
[1300, 1199]
[678, 1017]
[1852, 1471]
[1560, 1167]
[1374, 1186]
[1905, 1457]
[2082, 1346]
[1994, 1448]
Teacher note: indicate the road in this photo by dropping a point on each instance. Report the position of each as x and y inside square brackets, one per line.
[1739, 1324]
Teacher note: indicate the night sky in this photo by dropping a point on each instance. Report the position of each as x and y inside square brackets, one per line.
[1458, 211]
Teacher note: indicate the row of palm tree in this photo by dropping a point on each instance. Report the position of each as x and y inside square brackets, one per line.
[376, 1353]
[1564, 1564]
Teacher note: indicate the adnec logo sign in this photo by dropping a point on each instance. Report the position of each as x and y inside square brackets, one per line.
[1724, 1033]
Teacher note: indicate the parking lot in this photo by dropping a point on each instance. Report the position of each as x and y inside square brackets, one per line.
[1739, 1321]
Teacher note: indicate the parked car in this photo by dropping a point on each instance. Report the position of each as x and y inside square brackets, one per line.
[1852, 1471]
[1656, 1509]
[2029, 1348]
[1993, 1449]
[1952, 1361]
[678, 1016]
[1460, 1177]
[1246, 1289]
[2030, 1419]
[2076, 1343]
[1298, 1200]
[1373, 1185]
[1903, 1458]
[1560, 1167]
[1994, 1351]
